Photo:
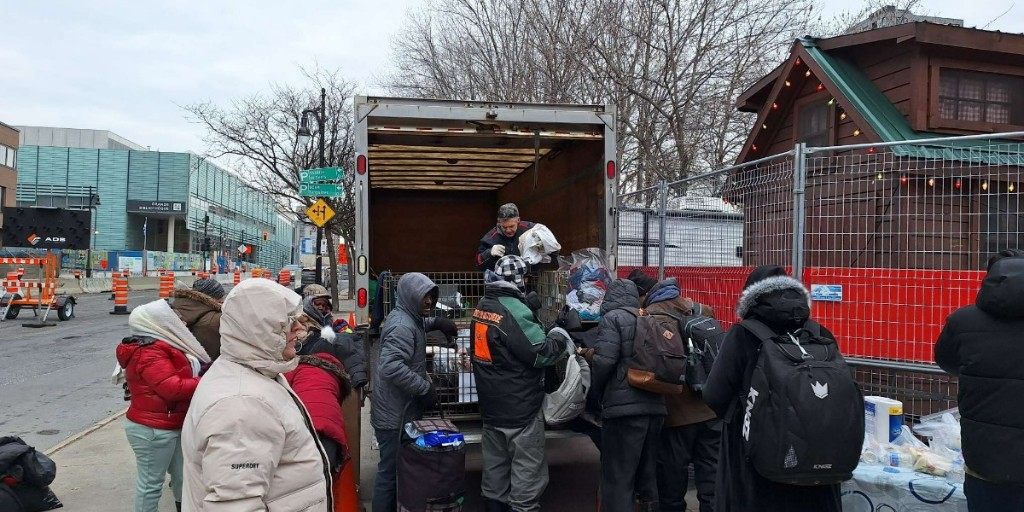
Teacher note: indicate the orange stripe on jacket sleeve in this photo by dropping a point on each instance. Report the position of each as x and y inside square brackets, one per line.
[481, 349]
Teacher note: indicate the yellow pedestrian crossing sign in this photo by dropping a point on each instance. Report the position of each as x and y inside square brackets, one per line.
[320, 213]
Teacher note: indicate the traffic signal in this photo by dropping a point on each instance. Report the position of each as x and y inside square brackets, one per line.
[206, 244]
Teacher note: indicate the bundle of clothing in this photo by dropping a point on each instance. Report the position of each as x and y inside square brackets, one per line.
[588, 282]
[25, 477]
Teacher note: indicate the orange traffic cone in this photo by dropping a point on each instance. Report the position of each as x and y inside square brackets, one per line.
[346, 494]
[352, 321]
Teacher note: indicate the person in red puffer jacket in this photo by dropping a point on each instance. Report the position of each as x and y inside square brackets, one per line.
[322, 384]
[162, 362]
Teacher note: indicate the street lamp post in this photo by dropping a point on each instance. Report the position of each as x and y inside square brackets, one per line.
[94, 202]
[206, 243]
[303, 134]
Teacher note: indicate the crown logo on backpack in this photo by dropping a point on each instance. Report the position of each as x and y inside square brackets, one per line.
[820, 390]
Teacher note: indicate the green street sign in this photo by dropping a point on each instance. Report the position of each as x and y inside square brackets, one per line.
[319, 190]
[323, 174]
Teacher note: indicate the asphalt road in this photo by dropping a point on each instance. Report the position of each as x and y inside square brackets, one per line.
[55, 381]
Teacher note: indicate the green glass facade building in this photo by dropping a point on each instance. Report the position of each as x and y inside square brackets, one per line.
[158, 201]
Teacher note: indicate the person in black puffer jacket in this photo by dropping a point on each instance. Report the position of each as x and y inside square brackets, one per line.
[982, 345]
[783, 304]
[631, 417]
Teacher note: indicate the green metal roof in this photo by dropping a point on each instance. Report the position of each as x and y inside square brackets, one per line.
[890, 125]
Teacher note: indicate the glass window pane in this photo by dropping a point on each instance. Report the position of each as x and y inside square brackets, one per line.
[947, 109]
[998, 90]
[971, 111]
[996, 113]
[972, 89]
[947, 85]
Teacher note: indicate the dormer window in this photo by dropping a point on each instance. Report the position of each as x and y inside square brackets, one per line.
[981, 97]
[814, 123]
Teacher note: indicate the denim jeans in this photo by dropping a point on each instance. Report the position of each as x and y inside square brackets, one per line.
[385, 497]
[157, 454]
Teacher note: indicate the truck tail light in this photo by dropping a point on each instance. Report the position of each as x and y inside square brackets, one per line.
[361, 298]
[361, 164]
[611, 169]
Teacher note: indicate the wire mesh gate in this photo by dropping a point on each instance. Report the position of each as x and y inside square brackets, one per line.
[451, 370]
[889, 238]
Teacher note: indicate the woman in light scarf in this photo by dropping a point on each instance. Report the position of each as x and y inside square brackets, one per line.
[162, 362]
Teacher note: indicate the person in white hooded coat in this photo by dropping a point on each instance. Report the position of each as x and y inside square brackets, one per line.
[248, 441]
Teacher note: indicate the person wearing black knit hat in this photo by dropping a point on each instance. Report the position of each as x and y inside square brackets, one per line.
[209, 287]
[643, 282]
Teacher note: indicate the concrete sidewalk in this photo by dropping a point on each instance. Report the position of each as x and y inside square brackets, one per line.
[96, 470]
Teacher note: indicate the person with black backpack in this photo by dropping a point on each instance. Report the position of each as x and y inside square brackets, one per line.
[794, 417]
[631, 417]
[691, 432]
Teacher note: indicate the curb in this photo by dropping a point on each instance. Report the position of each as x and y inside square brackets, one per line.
[100, 424]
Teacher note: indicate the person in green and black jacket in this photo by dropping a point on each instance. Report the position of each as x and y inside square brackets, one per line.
[510, 351]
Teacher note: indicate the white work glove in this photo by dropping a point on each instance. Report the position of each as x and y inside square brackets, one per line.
[497, 251]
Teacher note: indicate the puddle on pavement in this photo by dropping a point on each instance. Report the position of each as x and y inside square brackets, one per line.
[50, 432]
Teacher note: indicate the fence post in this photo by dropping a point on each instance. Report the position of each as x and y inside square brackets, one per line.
[662, 207]
[799, 208]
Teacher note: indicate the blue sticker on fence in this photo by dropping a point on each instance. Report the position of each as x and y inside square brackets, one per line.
[827, 292]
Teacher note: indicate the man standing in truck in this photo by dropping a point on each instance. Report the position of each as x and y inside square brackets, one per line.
[503, 239]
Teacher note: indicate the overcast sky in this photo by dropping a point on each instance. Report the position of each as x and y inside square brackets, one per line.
[126, 65]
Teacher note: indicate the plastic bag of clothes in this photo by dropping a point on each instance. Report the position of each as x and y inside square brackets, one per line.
[25, 476]
[537, 243]
[588, 281]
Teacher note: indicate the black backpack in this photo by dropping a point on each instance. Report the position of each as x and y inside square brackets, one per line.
[658, 364]
[704, 337]
[803, 413]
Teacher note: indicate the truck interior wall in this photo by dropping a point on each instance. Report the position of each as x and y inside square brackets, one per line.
[568, 197]
[428, 230]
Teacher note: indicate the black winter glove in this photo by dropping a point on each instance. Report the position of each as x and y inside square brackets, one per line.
[533, 302]
[569, 319]
[447, 327]
[429, 400]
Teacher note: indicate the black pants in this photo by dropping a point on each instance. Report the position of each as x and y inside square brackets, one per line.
[629, 448]
[697, 443]
[985, 496]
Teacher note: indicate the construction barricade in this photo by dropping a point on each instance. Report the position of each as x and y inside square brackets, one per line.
[166, 284]
[120, 294]
[38, 293]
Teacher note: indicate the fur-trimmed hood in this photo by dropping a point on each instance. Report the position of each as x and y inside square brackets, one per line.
[202, 298]
[748, 299]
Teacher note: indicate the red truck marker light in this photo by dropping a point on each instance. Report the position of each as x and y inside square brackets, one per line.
[361, 298]
[611, 169]
[361, 164]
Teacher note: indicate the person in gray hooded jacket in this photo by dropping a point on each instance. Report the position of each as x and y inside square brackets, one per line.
[401, 388]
